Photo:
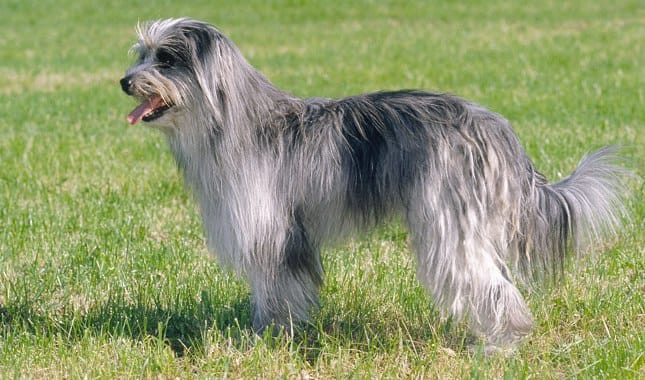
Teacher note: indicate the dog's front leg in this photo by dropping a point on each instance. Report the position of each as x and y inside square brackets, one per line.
[286, 286]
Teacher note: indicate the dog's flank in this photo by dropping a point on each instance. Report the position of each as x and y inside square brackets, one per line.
[278, 177]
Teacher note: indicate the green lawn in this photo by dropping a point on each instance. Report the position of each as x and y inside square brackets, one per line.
[103, 269]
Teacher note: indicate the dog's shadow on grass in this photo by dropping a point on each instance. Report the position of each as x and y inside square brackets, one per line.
[185, 327]
[181, 327]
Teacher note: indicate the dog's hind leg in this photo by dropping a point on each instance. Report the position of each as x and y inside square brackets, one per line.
[497, 310]
[461, 269]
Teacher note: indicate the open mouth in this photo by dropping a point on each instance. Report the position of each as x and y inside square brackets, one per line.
[150, 109]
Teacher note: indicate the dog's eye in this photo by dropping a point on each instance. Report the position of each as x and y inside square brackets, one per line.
[165, 58]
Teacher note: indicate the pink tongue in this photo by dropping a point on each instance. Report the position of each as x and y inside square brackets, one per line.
[144, 108]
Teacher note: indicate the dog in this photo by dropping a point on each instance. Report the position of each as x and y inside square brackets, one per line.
[277, 178]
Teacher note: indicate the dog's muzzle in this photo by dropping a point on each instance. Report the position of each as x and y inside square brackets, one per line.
[151, 108]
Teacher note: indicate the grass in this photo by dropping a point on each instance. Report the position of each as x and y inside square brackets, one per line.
[103, 269]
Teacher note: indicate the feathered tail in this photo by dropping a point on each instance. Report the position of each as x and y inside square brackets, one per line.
[570, 215]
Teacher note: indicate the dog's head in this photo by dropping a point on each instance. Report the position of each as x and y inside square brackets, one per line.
[169, 76]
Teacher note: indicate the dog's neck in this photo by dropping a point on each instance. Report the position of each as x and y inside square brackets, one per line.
[207, 144]
[224, 124]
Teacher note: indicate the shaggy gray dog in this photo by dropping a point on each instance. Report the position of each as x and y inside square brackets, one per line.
[276, 177]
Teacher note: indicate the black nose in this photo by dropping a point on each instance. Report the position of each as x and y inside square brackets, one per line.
[126, 83]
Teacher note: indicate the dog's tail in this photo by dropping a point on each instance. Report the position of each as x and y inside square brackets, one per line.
[571, 215]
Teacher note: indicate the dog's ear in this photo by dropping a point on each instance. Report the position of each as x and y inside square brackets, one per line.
[201, 39]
